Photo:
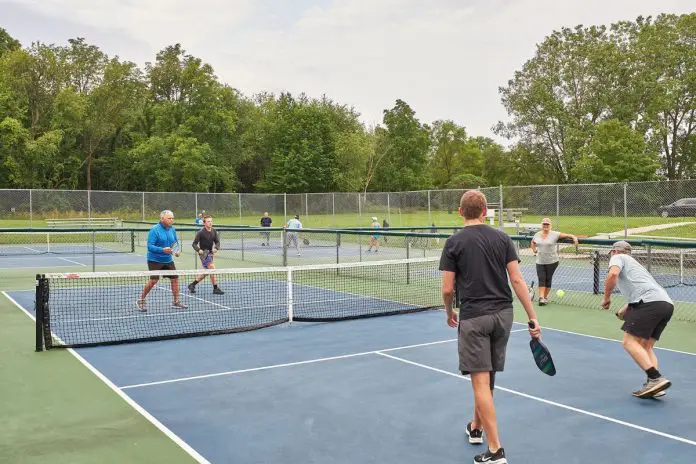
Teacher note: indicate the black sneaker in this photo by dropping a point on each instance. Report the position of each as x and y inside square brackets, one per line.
[217, 291]
[475, 435]
[491, 458]
[192, 288]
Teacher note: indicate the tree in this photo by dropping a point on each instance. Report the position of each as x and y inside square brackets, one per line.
[406, 151]
[641, 73]
[616, 153]
[7, 42]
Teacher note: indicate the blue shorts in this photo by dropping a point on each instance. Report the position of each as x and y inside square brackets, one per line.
[207, 261]
[376, 236]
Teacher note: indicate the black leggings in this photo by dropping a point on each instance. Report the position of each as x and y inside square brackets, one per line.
[545, 274]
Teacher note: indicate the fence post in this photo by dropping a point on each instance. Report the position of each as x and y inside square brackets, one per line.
[306, 204]
[388, 209]
[500, 213]
[430, 215]
[625, 211]
[89, 206]
[285, 208]
[31, 210]
[195, 203]
[239, 202]
[143, 208]
[558, 206]
[333, 208]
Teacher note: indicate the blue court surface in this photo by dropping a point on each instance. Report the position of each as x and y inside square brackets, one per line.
[53, 262]
[387, 390]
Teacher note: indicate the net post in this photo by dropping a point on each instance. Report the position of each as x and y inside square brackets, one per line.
[681, 267]
[132, 241]
[595, 273]
[242, 235]
[290, 309]
[338, 240]
[38, 308]
[94, 251]
[408, 266]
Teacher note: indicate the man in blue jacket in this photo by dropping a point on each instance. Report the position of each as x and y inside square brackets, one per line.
[160, 242]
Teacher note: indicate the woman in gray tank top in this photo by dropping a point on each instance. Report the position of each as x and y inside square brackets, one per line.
[546, 252]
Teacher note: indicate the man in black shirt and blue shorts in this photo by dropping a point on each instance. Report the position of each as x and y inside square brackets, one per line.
[478, 260]
[206, 240]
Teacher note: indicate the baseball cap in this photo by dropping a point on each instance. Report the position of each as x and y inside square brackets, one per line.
[374, 218]
[546, 221]
[621, 245]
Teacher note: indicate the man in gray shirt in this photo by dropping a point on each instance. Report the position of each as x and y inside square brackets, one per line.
[646, 314]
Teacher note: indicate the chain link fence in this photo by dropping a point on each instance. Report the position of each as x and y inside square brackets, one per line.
[665, 208]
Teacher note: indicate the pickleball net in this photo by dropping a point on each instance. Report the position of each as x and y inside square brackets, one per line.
[99, 308]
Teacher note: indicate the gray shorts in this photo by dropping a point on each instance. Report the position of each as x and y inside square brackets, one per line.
[483, 342]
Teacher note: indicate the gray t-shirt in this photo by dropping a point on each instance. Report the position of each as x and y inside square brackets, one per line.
[546, 247]
[636, 283]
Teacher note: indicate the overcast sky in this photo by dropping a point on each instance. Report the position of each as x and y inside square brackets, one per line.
[445, 58]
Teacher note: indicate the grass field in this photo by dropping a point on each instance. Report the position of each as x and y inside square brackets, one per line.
[578, 225]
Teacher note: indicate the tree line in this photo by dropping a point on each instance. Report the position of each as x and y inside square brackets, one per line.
[594, 104]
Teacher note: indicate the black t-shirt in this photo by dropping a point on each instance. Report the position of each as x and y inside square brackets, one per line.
[266, 221]
[479, 256]
[205, 240]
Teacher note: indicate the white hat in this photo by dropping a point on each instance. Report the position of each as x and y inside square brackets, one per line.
[374, 218]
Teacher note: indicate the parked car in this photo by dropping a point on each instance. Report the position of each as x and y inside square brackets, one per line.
[683, 207]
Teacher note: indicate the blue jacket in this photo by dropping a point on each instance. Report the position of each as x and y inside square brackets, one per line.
[158, 238]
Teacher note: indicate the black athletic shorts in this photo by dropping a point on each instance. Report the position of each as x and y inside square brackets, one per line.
[155, 266]
[647, 320]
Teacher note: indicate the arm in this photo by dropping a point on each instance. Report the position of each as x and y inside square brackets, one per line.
[448, 282]
[196, 241]
[609, 285]
[571, 236]
[520, 287]
[534, 247]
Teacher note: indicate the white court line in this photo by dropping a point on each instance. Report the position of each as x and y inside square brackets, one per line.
[608, 339]
[162, 428]
[552, 403]
[297, 363]
[70, 261]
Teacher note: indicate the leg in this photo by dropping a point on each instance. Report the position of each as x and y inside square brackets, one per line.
[635, 348]
[541, 275]
[140, 302]
[485, 408]
[643, 325]
[550, 270]
[175, 289]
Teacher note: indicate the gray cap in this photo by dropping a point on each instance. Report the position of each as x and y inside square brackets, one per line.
[621, 245]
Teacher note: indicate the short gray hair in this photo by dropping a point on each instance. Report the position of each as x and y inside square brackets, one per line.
[166, 212]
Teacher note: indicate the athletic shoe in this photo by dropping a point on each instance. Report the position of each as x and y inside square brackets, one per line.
[660, 394]
[652, 386]
[179, 304]
[217, 291]
[140, 304]
[192, 288]
[491, 458]
[475, 435]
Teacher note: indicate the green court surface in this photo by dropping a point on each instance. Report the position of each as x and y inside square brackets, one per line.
[55, 410]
